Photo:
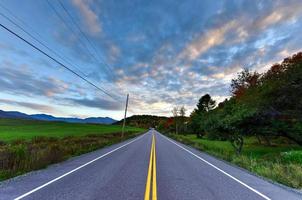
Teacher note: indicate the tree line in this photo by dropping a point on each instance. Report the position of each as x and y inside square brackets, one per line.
[261, 104]
[143, 121]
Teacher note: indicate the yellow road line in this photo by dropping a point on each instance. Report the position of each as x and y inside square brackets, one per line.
[148, 183]
[154, 186]
[151, 173]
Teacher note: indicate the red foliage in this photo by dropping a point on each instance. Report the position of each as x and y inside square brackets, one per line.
[244, 81]
[277, 69]
[296, 58]
[169, 122]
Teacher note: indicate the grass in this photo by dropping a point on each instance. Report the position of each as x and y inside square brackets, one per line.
[27, 145]
[281, 162]
[18, 129]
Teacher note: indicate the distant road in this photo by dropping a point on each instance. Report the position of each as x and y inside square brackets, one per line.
[150, 166]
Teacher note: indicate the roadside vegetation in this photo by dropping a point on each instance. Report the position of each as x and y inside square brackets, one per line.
[27, 145]
[281, 162]
[258, 128]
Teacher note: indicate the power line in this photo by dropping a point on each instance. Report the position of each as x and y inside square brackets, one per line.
[74, 21]
[71, 29]
[35, 38]
[55, 60]
[76, 34]
[84, 35]
[108, 69]
[19, 19]
[41, 43]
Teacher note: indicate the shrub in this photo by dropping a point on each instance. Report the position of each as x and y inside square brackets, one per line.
[292, 157]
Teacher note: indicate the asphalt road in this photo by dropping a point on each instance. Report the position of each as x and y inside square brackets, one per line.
[143, 168]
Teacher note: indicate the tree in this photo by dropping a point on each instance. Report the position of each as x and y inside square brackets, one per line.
[205, 104]
[282, 86]
[262, 105]
[182, 116]
[182, 111]
[244, 80]
[194, 123]
[234, 122]
[175, 111]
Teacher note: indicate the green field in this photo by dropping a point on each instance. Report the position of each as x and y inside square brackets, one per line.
[16, 129]
[27, 145]
[281, 161]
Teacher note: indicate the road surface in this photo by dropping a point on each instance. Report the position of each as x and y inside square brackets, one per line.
[150, 166]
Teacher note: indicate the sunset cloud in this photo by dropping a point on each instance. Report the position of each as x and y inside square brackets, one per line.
[90, 18]
[210, 39]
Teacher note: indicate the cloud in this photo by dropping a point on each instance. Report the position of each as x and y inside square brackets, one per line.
[284, 11]
[19, 80]
[96, 103]
[91, 19]
[5, 47]
[203, 43]
[165, 54]
[232, 30]
[114, 52]
[34, 106]
[234, 38]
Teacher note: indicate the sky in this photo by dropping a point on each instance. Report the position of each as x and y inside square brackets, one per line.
[164, 53]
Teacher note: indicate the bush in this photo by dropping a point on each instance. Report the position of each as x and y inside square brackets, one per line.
[292, 157]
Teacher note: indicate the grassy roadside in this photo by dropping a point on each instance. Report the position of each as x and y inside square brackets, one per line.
[281, 162]
[27, 145]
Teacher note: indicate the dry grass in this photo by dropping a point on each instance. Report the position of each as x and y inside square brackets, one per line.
[21, 156]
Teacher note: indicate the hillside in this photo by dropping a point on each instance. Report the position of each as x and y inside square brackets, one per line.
[143, 121]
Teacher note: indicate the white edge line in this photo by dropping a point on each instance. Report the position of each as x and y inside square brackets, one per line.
[217, 168]
[58, 178]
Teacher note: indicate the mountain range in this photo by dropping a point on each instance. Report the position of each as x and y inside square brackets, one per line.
[44, 117]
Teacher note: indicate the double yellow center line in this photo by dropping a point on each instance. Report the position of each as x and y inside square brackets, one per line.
[151, 170]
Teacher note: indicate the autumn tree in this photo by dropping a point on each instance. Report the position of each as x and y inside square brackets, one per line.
[244, 80]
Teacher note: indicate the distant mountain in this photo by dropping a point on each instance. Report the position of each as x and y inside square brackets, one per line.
[44, 117]
[52, 118]
[100, 120]
[13, 114]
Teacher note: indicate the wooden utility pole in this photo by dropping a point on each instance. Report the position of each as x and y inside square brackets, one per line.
[124, 123]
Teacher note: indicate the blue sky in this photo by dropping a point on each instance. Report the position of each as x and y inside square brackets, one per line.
[163, 52]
